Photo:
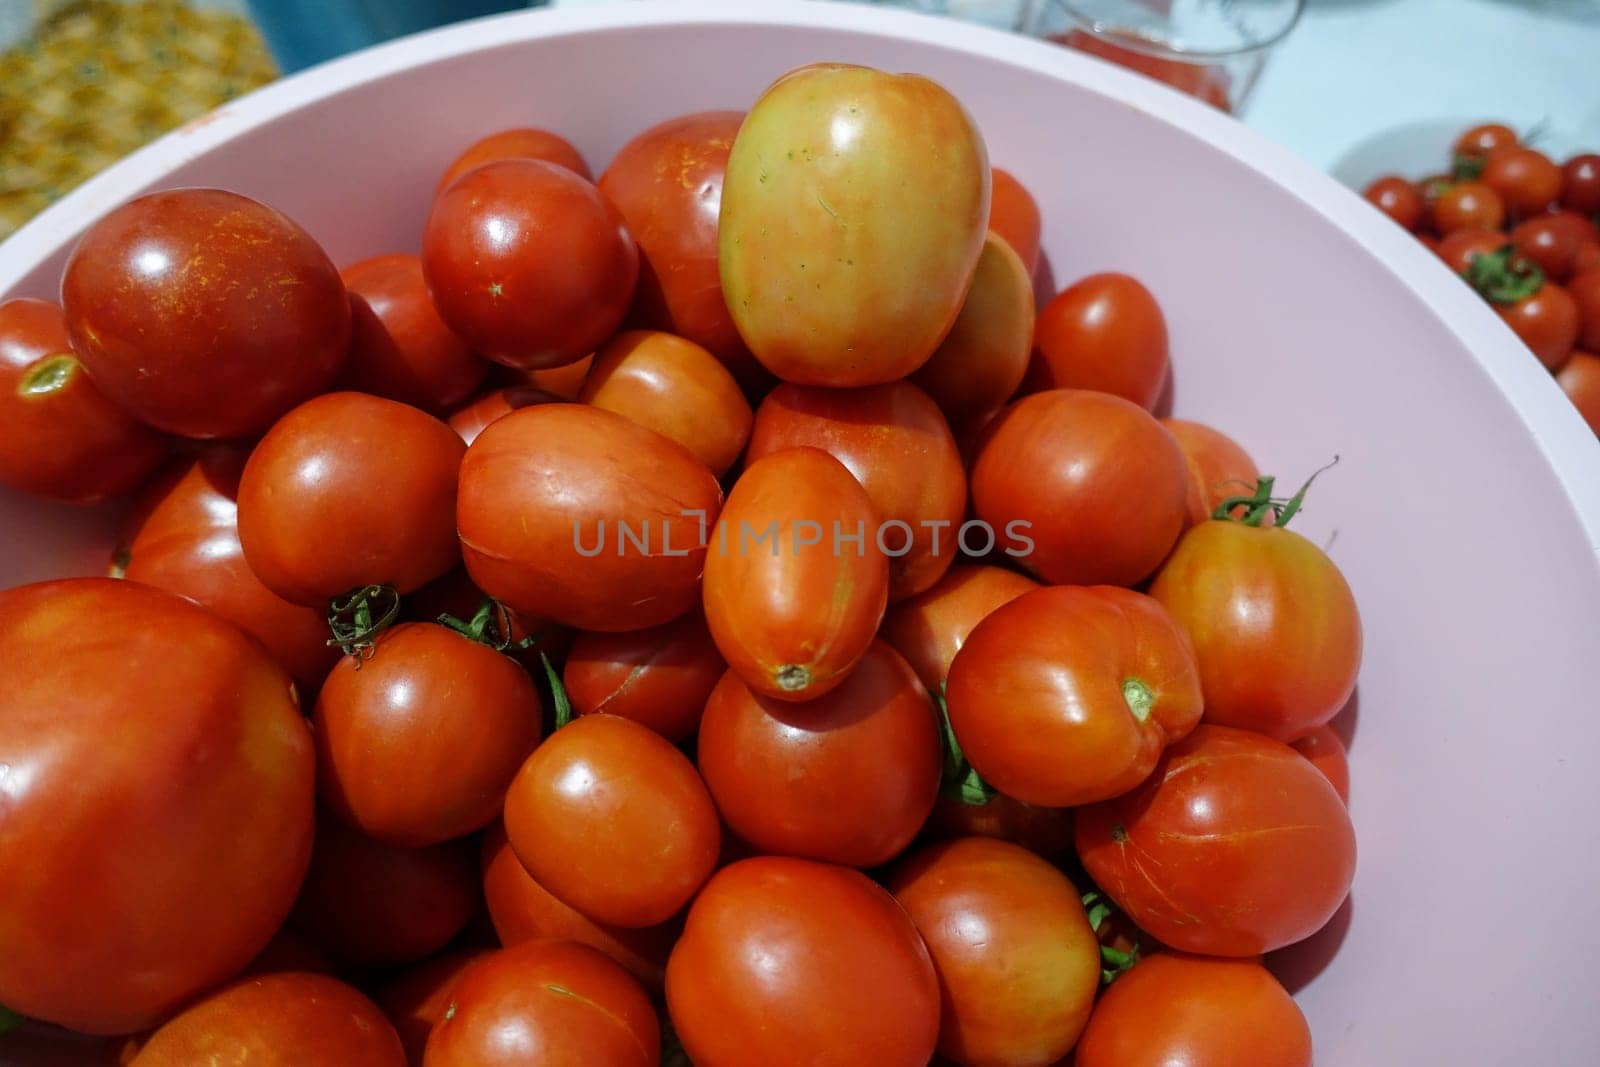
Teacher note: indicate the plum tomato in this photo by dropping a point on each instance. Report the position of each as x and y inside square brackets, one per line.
[417, 998]
[1553, 241]
[1326, 753]
[660, 677]
[1014, 217]
[399, 346]
[519, 143]
[1218, 466]
[469, 421]
[1525, 178]
[1584, 289]
[1104, 332]
[1580, 184]
[930, 628]
[1468, 206]
[1580, 379]
[1397, 198]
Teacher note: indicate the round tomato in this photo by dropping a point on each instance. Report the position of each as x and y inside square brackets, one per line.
[1524, 177]
[1460, 248]
[837, 269]
[1397, 198]
[520, 143]
[786, 962]
[205, 313]
[1235, 846]
[399, 346]
[1580, 378]
[1584, 289]
[469, 421]
[1468, 206]
[796, 583]
[1326, 753]
[929, 628]
[658, 677]
[1478, 142]
[1218, 467]
[1104, 332]
[1014, 216]
[1580, 184]
[1018, 964]
[528, 263]
[1548, 323]
[1553, 241]
[1045, 832]
[417, 998]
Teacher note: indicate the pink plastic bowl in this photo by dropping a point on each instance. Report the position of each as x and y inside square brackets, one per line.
[1465, 511]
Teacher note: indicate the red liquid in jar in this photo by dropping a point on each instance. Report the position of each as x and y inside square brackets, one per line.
[1205, 82]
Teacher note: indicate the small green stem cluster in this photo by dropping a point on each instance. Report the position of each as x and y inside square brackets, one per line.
[1114, 962]
[357, 618]
[1261, 503]
[1503, 277]
[961, 780]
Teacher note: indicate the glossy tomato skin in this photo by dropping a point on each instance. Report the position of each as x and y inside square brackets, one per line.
[1102, 486]
[471, 419]
[1104, 332]
[1548, 322]
[1580, 184]
[417, 998]
[855, 973]
[838, 270]
[1459, 249]
[1553, 242]
[137, 874]
[1584, 289]
[1014, 217]
[554, 1003]
[1580, 379]
[1525, 177]
[1479, 141]
[62, 438]
[660, 677]
[1327, 754]
[1468, 206]
[205, 313]
[1235, 845]
[1397, 198]
[791, 610]
[930, 628]
[1018, 963]
[519, 143]
[399, 346]
[528, 263]
[848, 778]
[547, 496]
[565, 382]
[1218, 467]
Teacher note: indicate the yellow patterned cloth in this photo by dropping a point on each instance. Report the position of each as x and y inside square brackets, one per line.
[98, 78]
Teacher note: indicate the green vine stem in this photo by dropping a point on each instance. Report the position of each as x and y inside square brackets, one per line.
[490, 625]
[1503, 277]
[558, 693]
[1114, 962]
[1261, 503]
[1467, 167]
[961, 781]
[359, 616]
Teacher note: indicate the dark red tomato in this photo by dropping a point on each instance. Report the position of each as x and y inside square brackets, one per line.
[1479, 141]
[1548, 322]
[1218, 467]
[521, 143]
[898, 445]
[528, 263]
[929, 628]
[290, 950]
[1584, 289]
[1460, 248]
[1397, 198]
[1525, 178]
[186, 541]
[1580, 184]
[1580, 378]
[1468, 206]
[1014, 215]
[1326, 753]
[1552, 242]
[469, 421]
[157, 802]
[62, 438]
[205, 313]
[1235, 846]
[1587, 258]
[786, 962]
[614, 820]
[278, 1020]
[658, 677]
[587, 518]
[1103, 332]
[1017, 961]
[1090, 488]
[417, 998]
[399, 346]
[1045, 832]
[1173, 1008]
[849, 777]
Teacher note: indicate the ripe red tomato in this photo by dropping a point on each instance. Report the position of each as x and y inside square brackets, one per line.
[528, 263]
[1045, 832]
[849, 777]
[675, 388]
[399, 346]
[1586, 258]
[158, 802]
[1235, 846]
[658, 677]
[1525, 177]
[791, 604]
[1095, 483]
[1479, 141]
[61, 437]
[521, 143]
[1397, 198]
[929, 628]
[1174, 1008]
[579, 515]
[1218, 467]
[205, 313]
[787, 962]
[1018, 964]
[1014, 216]
[1468, 206]
[1460, 248]
[1552, 242]
[469, 421]
[278, 1020]
[1580, 378]
[1326, 753]
[417, 998]
[1548, 322]
[896, 443]
[1580, 184]
[1068, 695]
[1584, 289]
[1104, 332]
[350, 490]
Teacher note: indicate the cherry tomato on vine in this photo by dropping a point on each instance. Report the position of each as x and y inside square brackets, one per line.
[1553, 242]
[1468, 206]
[1580, 184]
[399, 346]
[1397, 198]
[1524, 177]
[520, 143]
[1547, 321]
[1478, 142]
[1460, 248]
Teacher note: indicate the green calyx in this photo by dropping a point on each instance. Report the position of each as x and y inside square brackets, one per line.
[490, 625]
[1502, 277]
[357, 618]
[1114, 962]
[960, 781]
[1261, 503]
[558, 693]
[48, 375]
[1466, 167]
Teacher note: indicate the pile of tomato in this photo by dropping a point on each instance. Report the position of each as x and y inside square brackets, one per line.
[1524, 231]
[699, 615]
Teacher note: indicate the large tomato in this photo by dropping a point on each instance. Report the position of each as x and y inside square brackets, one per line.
[205, 313]
[399, 346]
[1326, 753]
[660, 677]
[158, 802]
[853, 213]
[1218, 467]
[789, 963]
[1014, 216]
[1104, 332]
[930, 628]
[417, 998]
[519, 143]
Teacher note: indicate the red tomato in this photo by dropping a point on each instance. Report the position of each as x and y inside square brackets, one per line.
[1479, 141]
[469, 421]
[416, 999]
[205, 313]
[278, 1020]
[350, 490]
[579, 515]
[899, 447]
[1580, 378]
[1468, 206]
[157, 802]
[1014, 216]
[1094, 484]
[1104, 332]
[1326, 753]
[1587, 258]
[658, 677]
[1460, 248]
[787, 962]
[1549, 322]
[553, 1003]
[1045, 832]
[1397, 198]
[1068, 695]
[791, 604]
[929, 628]
[1235, 846]
[522, 143]
[1218, 467]
[399, 346]
[1580, 184]
[1173, 1008]
[1552, 242]
[62, 438]
[1018, 964]
[1585, 293]
[528, 263]
[1525, 177]
[849, 777]
[565, 382]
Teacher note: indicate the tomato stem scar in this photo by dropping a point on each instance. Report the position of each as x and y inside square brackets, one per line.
[1139, 696]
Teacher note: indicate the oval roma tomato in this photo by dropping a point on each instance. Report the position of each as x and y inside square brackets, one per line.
[853, 213]
[1525, 177]
[417, 998]
[399, 346]
[1584, 289]
[1104, 332]
[579, 515]
[1580, 184]
[1468, 206]
[1326, 753]
[520, 143]
[1235, 846]
[1018, 964]
[528, 263]
[1553, 242]
[849, 777]
[675, 388]
[1090, 486]
[1014, 216]
[1068, 695]
[139, 874]
[1580, 379]
[614, 820]
[1397, 198]
[660, 677]
[205, 313]
[61, 437]
[930, 628]
[555, 1003]
[899, 447]
[1218, 467]
[795, 584]
[278, 1020]
[469, 421]
[786, 962]
[1045, 832]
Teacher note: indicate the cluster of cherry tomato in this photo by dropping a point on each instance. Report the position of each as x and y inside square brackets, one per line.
[441, 709]
[1524, 231]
